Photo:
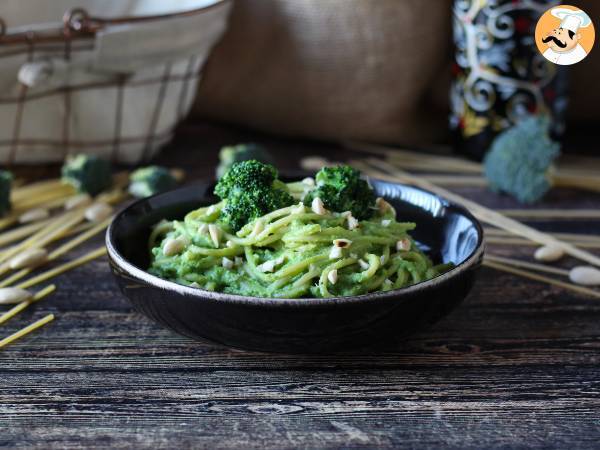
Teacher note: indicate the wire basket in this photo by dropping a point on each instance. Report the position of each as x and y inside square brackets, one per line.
[116, 87]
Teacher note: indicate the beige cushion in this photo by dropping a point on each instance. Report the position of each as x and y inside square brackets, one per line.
[348, 69]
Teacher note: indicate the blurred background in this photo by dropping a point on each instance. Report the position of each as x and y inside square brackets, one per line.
[115, 78]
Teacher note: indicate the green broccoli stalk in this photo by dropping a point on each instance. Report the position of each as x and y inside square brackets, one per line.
[6, 179]
[342, 189]
[151, 180]
[250, 189]
[520, 158]
[241, 152]
[87, 173]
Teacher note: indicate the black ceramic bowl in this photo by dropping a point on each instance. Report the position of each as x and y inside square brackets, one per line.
[447, 232]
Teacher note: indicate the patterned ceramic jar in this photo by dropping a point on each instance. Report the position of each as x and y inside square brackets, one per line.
[499, 75]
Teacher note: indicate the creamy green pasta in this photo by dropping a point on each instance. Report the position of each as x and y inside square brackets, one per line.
[296, 251]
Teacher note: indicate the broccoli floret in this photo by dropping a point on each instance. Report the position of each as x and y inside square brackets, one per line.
[151, 180]
[5, 186]
[519, 160]
[241, 152]
[250, 189]
[87, 173]
[342, 189]
[245, 176]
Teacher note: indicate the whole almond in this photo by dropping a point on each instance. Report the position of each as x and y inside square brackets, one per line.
[10, 295]
[32, 257]
[33, 215]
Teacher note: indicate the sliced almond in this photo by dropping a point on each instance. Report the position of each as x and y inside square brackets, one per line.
[386, 222]
[332, 276]
[202, 229]
[173, 247]
[317, 206]
[238, 261]
[267, 266]
[34, 215]
[363, 264]
[403, 245]
[335, 252]
[98, 211]
[31, 257]
[227, 263]
[309, 181]
[9, 295]
[352, 222]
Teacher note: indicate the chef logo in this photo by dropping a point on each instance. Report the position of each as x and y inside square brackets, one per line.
[564, 35]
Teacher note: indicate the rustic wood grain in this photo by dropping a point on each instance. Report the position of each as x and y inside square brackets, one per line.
[517, 365]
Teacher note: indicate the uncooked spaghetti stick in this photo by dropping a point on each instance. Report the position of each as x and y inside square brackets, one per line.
[44, 276]
[534, 276]
[25, 331]
[21, 306]
[59, 251]
[522, 241]
[31, 189]
[41, 199]
[551, 214]
[527, 265]
[579, 237]
[23, 231]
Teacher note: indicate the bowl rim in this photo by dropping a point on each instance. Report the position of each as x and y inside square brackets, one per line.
[147, 278]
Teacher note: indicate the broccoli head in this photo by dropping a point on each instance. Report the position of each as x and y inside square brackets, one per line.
[250, 189]
[151, 180]
[5, 186]
[342, 189]
[87, 173]
[241, 152]
[520, 158]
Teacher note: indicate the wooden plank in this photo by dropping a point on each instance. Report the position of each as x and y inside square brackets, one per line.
[517, 365]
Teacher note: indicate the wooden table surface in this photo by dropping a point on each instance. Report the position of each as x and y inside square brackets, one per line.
[517, 365]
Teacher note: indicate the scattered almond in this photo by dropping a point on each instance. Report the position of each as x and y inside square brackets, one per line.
[215, 234]
[403, 245]
[363, 264]
[335, 252]
[34, 215]
[318, 207]
[173, 247]
[10, 295]
[227, 263]
[549, 253]
[31, 257]
[267, 266]
[78, 201]
[585, 275]
[332, 276]
[98, 211]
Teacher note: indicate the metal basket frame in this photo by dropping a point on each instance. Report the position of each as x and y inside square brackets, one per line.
[78, 28]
